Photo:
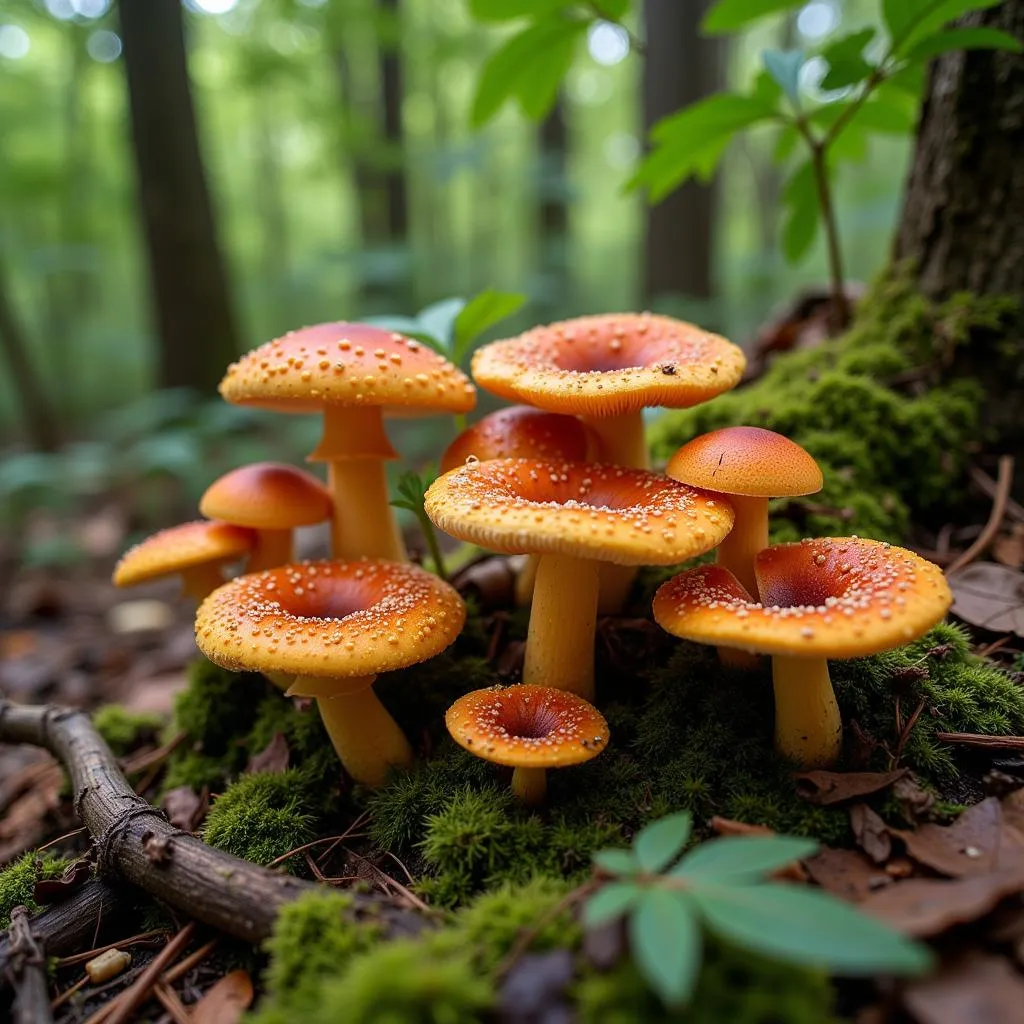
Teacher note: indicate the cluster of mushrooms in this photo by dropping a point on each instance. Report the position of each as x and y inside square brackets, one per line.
[563, 478]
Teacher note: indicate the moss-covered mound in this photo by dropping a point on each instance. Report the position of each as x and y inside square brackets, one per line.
[18, 882]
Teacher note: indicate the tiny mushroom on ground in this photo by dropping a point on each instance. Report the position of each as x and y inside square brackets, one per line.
[197, 552]
[530, 729]
[574, 515]
[833, 597]
[271, 498]
[334, 626]
[354, 374]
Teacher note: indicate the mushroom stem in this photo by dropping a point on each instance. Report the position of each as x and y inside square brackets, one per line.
[530, 785]
[200, 580]
[363, 524]
[525, 581]
[622, 441]
[808, 729]
[563, 617]
[273, 548]
[748, 536]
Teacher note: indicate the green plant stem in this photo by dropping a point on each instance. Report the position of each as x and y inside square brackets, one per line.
[430, 535]
[839, 313]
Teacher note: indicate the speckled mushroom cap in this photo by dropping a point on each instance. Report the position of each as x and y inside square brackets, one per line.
[527, 726]
[182, 547]
[610, 364]
[746, 460]
[834, 597]
[329, 619]
[267, 496]
[519, 432]
[587, 510]
[347, 364]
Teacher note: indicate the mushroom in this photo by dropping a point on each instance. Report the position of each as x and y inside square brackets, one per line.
[271, 498]
[521, 432]
[530, 729]
[575, 515]
[834, 597]
[334, 626]
[194, 551]
[750, 465]
[354, 374]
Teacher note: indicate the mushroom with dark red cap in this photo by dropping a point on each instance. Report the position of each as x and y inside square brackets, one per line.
[834, 597]
[575, 516]
[271, 498]
[334, 627]
[354, 374]
[197, 552]
[530, 729]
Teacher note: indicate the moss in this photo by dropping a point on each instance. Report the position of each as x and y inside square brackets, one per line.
[123, 730]
[18, 882]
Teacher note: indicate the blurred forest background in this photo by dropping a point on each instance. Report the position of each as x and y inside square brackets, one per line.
[344, 181]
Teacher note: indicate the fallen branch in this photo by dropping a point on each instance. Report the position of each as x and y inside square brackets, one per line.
[26, 967]
[971, 739]
[1004, 482]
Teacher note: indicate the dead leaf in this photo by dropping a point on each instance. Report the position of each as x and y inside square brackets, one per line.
[53, 890]
[923, 907]
[977, 988]
[25, 821]
[491, 580]
[827, 788]
[847, 874]
[226, 1001]
[915, 801]
[273, 758]
[989, 595]
[871, 833]
[1008, 548]
[185, 808]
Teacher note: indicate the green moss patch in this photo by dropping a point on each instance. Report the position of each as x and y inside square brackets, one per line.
[123, 730]
[18, 882]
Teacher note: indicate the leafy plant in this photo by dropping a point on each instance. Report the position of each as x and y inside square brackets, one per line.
[412, 487]
[721, 886]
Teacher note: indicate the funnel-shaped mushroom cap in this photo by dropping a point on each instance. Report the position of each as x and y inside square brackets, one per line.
[834, 597]
[180, 548]
[746, 460]
[611, 364]
[582, 509]
[267, 496]
[329, 619]
[519, 433]
[528, 726]
[347, 364]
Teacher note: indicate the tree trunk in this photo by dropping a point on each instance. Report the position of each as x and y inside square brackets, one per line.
[680, 67]
[552, 210]
[188, 278]
[392, 94]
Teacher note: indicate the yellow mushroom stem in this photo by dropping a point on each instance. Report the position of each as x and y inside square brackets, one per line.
[355, 448]
[366, 738]
[200, 580]
[530, 785]
[621, 439]
[563, 617]
[273, 548]
[525, 581]
[748, 536]
[808, 729]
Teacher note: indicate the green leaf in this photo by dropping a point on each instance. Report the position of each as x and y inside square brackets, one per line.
[439, 318]
[802, 213]
[786, 143]
[411, 327]
[846, 63]
[529, 67]
[963, 39]
[508, 10]
[616, 862]
[910, 21]
[609, 902]
[729, 15]
[482, 312]
[784, 66]
[741, 858]
[807, 926]
[658, 844]
[612, 10]
[665, 940]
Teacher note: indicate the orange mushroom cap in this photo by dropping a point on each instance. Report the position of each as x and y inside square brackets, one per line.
[329, 619]
[832, 597]
[182, 547]
[267, 496]
[347, 364]
[746, 460]
[587, 510]
[610, 364]
[527, 726]
[519, 432]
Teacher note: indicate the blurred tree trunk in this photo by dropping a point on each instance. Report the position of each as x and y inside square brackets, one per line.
[553, 210]
[392, 96]
[189, 281]
[269, 189]
[680, 67]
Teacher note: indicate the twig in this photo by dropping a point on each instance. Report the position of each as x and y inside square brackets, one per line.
[69, 992]
[132, 940]
[988, 487]
[971, 739]
[1004, 481]
[171, 1002]
[132, 998]
[26, 967]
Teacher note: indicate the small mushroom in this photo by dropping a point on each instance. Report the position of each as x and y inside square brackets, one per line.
[530, 729]
[195, 551]
[574, 515]
[334, 627]
[834, 597]
[271, 498]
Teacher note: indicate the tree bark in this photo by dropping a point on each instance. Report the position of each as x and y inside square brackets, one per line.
[680, 67]
[552, 209]
[188, 278]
